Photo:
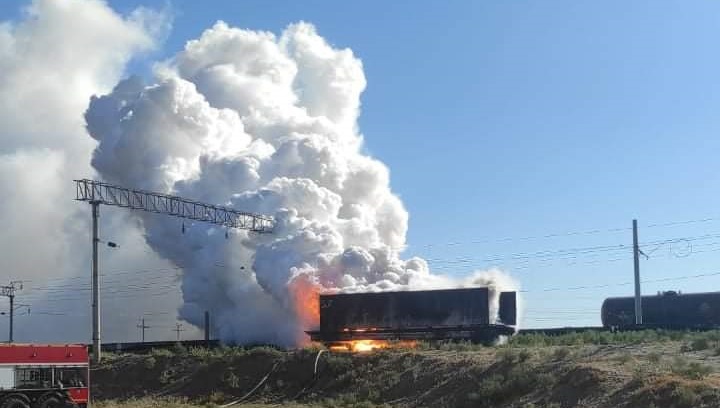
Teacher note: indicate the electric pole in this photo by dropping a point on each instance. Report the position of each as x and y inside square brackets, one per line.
[95, 282]
[207, 329]
[178, 328]
[142, 327]
[636, 258]
[9, 292]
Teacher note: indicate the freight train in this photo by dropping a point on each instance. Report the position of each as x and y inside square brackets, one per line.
[668, 310]
[461, 314]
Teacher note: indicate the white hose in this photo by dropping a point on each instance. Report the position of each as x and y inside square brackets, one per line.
[317, 358]
[244, 397]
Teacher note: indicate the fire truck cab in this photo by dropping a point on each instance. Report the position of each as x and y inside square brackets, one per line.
[43, 376]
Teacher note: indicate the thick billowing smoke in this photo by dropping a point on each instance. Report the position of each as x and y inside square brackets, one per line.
[53, 58]
[264, 124]
[49, 66]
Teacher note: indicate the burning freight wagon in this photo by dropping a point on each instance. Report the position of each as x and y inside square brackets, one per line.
[362, 321]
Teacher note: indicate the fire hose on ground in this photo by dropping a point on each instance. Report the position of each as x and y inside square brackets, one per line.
[262, 381]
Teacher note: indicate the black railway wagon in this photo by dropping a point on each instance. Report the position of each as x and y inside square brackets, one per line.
[670, 310]
[428, 314]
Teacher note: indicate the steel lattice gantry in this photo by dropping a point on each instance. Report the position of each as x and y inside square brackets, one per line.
[98, 193]
[108, 194]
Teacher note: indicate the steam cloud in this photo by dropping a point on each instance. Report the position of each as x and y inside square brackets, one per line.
[44, 88]
[239, 118]
[53, 58]
[264, 124]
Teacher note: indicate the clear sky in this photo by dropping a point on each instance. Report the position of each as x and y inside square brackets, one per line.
[521, 119]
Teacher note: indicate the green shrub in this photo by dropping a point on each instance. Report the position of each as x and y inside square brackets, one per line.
[149, 362]
[561, 353]
[180, 350]
[515, 382]
[145, 402]
[161, 353]
[264, 351]
[692, 370]
[349, 401]
[231, 380]
[624, 358]
[654, 357]
[216, 397]
[686, 397]
[699, 344]
[473, 396]
[166, 376]
[458, 346]
[607, 337]
[506, 355]
[200, 352]
[638, 375]
[313, 347]
[491, 387]
[524, 355]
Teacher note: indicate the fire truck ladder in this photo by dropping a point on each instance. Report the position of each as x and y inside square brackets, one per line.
[97, 192]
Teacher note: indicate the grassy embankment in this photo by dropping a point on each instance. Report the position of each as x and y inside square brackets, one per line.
[590, 369]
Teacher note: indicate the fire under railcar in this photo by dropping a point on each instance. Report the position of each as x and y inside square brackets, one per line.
[458, 314]
[669, 310]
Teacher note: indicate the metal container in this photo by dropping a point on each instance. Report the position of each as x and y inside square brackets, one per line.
[403, 310]
[667, 309]
[445, 314]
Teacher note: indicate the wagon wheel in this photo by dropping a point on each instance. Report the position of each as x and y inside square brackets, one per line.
[51, 401]
[14, 402]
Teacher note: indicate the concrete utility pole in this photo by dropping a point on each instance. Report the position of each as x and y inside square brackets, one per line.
[207, 329]
[9, 292]
[178, 328]
[12, 317]
[95, 282]
[636, 258]
[142, 326]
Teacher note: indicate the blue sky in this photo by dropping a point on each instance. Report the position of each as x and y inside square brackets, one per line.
[528, 118]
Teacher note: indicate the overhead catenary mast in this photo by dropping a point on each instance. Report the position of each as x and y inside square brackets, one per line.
[142, 326]
[98, 192]
[178, 328]
[636, 264]
[9, 292]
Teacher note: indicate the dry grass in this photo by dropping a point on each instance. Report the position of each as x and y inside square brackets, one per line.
[653, 369]
[179, 403]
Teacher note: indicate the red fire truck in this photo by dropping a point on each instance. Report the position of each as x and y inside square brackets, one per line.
[43, 376]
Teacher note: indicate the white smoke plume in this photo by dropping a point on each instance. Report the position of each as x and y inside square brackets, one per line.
[53, 58]
[50, 66]
[267, 124]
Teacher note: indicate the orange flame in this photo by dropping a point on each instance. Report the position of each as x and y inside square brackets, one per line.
[305, 300]
[364, 346]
